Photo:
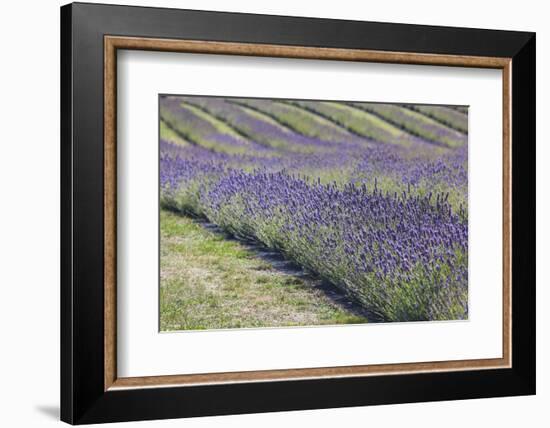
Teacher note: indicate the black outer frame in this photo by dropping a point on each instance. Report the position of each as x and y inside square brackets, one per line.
[83, 399]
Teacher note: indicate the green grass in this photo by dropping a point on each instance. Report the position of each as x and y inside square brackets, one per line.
[221, 126]
[362, 115]
[306, 122]
[356, 121]
[168, 134]
[447, 116]
[209, 282]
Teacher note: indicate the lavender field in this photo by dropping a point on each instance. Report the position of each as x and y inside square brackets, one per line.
[367, 199]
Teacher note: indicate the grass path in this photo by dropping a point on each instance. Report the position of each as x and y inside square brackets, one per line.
[209, 282]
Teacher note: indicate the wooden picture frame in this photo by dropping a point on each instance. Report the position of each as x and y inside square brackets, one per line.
[91, 390]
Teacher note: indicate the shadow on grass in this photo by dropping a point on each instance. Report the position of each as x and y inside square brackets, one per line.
[278, 262]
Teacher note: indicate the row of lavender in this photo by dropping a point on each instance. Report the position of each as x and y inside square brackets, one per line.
[384, 219]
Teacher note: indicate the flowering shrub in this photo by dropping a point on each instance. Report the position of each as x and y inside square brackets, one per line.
[386, 224]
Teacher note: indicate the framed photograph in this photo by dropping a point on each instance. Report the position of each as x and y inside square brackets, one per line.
[267, 213]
